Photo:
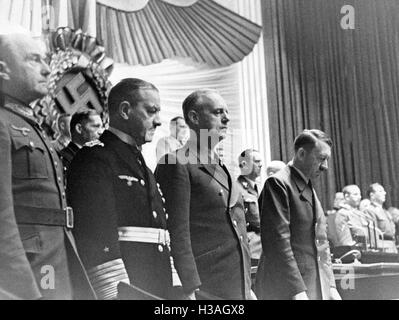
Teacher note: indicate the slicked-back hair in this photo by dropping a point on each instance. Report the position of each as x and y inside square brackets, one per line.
[81, 116]
[127, 90]
[371, 188]
[194, 102]
[307, 139]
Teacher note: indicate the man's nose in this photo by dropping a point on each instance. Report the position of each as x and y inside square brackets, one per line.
[45, 69]
[225, 118]
[157, 120]
[324, 165]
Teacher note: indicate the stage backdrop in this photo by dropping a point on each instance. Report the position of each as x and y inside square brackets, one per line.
[343, 81]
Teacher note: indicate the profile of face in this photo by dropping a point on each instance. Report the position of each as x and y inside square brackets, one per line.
[252, 165]
[144, 116]
[64, 125]
[182, 132]
[378, 195]
[353, 196]
[315, 161]
[213, 116]
[91, 130]
[29, 72]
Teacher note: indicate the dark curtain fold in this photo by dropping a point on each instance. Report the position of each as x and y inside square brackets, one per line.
[344, 82]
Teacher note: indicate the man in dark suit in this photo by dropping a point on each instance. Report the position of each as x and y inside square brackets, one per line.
[250, 164]
[86, 127]
[296, 262]
[119, 210]
[207, 221]
[37, 253]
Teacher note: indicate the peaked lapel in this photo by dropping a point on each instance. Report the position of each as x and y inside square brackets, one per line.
[210, 169]
[305, 191]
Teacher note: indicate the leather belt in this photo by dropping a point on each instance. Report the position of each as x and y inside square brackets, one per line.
[145, 235]
[44, 216]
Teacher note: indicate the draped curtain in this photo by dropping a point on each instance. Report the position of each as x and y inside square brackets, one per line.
[344, 82]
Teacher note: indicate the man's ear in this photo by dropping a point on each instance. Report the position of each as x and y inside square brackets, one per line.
[193, 116]
[242, 164]
[78, 128]
[301, 153]
[123, 110]
[4, 71]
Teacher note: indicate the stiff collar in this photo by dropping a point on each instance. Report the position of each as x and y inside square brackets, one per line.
[18, 106]
[124, 137]
[251, 182]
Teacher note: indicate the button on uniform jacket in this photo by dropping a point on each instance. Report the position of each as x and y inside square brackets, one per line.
[296, 255]
[207, 225]
[32, 181]
[108, 188]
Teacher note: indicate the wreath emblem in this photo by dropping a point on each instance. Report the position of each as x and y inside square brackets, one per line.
[74, 51]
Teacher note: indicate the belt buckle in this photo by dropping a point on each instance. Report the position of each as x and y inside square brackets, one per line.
[69, 217]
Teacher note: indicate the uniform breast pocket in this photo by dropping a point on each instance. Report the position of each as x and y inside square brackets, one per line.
[29, 159]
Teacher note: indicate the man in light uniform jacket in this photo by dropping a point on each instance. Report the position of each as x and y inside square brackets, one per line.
[37, 253]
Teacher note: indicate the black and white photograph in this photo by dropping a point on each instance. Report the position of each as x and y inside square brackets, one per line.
[205, 155]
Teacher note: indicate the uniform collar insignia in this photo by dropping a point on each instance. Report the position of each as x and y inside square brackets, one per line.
[18, 106]
[23, 130]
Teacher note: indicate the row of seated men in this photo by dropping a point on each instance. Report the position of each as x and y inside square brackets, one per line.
[364, 224]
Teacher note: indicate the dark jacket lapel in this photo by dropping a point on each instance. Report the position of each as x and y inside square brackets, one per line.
[305, 191]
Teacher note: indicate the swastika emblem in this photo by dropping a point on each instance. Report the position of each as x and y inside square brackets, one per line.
[74, 92]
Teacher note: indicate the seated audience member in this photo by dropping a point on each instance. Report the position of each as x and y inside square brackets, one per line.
[86, 126]
[64, 134]
[338, 203]
[274, 166]
[395, 216]
[177, 138]
[350, 224]
[383, 219]
[250, 164]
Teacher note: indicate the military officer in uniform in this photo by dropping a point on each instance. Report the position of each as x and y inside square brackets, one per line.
[36, 246]
[207, 220]
[119, 210]
[250, 164]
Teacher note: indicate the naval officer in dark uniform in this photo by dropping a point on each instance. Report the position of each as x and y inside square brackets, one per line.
[119, 209]
[36, 246]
